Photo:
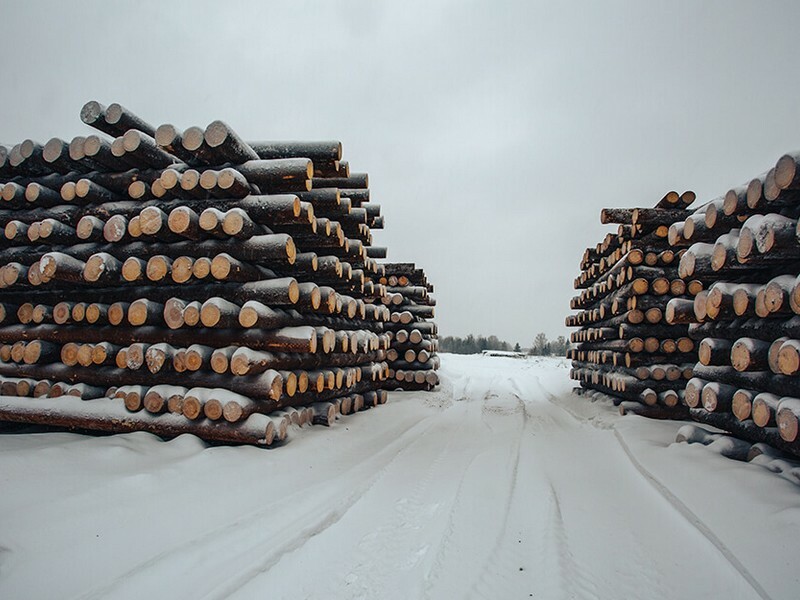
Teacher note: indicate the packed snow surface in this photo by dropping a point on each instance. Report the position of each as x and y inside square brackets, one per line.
[500, 485]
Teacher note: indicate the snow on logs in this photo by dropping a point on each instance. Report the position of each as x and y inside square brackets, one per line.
[628, 344]
[745, 246]
[187, 281]
[412, 355]
[738, 257]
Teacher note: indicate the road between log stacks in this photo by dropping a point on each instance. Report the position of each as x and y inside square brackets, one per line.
[501, 484]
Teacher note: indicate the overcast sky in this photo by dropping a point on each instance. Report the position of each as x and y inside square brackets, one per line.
[493, 132]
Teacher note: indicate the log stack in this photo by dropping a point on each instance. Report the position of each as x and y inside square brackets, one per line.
[412, 356]
[747, 324]
[189, 282]
[626, 347]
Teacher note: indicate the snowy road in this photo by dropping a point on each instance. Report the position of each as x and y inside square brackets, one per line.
[500, 485]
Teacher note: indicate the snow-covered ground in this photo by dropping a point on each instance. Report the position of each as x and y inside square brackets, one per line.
[499, 485]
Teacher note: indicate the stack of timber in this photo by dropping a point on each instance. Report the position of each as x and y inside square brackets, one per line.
[187, 282]
[414, 338]
[627, 345]
[747, 324]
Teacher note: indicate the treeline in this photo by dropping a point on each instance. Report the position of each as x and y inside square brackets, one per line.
[475, 345]
[544, 347]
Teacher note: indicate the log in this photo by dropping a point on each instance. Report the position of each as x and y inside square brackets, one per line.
[753, 380]
[742, 404]
[788, 419]
[233, 184]
[715, 352]
[287, 339]
[652, 412]
[170, 138]
[100, 153]
[774, 353]
[221, 138]
[743, 429]
[765, 409]
[762, 329]
[787, 173]
[353, 181]
[280, 175]
[157, 398]
[56, 154]
[272, 249]
[680, 311]
[193, 142]
[322, 151]
[777, 294]
[111, 416]
[121, 119]
[750, 354]
[159, 356]
[266, 386]
[717, 397]
[788, 357]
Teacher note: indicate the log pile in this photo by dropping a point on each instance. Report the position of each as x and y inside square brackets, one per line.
[629, 345]
[747, 323]
[414, 338]
[191, 282]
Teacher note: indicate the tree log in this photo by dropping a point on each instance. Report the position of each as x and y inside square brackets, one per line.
[111, 416]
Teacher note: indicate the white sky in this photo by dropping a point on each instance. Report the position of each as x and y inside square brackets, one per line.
[493, 132]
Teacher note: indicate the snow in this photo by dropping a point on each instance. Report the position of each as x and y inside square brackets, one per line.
[501, 484]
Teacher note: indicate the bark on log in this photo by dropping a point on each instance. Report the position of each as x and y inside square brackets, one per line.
[111, 416]
[753, 380]
[744, 429]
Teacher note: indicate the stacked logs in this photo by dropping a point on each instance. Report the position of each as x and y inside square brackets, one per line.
[414, 338]
[626, 346]
[187, 282]
[747, 323]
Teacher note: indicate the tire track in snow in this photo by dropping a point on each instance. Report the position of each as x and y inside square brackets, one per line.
[500, 576]
[396, 543]
[237, 534]
[676, 503]
[552, 544]
[573, 582]
[692, 519]
[445, 547]
[353, 502]
[495, 412]
[664, 492]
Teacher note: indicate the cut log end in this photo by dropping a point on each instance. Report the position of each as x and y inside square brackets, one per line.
[232, 412]
[785, 171]
[201, 268]
[788, 424]
[91, 112]
[213, 409]
[742, 404]
[789, 359]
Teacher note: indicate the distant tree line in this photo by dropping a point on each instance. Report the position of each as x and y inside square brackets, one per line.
[475, 345]
[544, 347]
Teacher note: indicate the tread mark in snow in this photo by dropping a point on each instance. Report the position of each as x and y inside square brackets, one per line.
[501, 558]
[246, 575]
[393, 541]
[692, 518]
[242, 528]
